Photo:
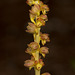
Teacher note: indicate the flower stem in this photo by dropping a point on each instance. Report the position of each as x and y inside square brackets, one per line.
[37, 39]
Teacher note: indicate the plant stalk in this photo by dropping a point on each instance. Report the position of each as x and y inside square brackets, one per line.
[37, 39]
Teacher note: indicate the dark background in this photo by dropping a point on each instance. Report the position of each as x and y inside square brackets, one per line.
[14, 16]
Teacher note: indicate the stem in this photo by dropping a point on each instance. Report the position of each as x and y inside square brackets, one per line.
[37, 39]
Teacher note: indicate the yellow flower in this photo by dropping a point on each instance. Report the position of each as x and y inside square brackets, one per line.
[32, 2]
[39, 64]
[32, 17]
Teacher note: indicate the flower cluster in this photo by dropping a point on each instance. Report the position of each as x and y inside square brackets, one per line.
[33, 63]
[38, 17]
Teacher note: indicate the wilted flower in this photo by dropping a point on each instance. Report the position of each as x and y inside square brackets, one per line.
[29, 63]
[44, 8]
[35, 10]
[39, 64]
[31, 28]
[33, 45]
[46, 73]
[44, 50]
[44, 38]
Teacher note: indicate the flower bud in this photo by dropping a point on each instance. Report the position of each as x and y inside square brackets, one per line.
[44, 50]
[29, 63]
[46, 73]
[33, 45]
[31, 28]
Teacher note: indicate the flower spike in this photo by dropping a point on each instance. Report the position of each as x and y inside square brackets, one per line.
[38, 18]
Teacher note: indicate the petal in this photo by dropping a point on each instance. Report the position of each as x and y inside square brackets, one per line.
[43, 42]
[43, 55]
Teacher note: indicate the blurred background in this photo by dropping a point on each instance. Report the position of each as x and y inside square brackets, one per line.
[14, 15]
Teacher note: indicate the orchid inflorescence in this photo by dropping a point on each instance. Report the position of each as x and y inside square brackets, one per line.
[38, 17]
